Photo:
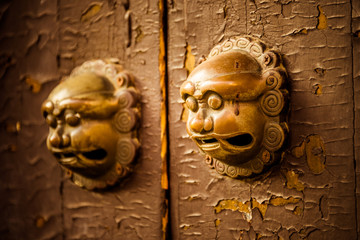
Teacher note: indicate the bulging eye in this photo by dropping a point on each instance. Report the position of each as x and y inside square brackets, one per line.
[192, 103]
[51, 120]
[214, 101]
[72, 118]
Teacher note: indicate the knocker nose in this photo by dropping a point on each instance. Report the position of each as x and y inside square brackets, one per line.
[201, 124]
[59, 140]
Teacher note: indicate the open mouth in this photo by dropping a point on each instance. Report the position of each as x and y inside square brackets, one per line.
[207, 141]
[241, 140]
[97, 154]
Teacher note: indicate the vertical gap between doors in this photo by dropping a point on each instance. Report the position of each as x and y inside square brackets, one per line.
[165, 223]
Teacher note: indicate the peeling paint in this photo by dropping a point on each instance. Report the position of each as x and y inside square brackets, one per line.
[317, 89]
[40, 222]
[292, 181]
[298, 152]
[217, 222]
[298, 211]
[315, 154]
[35, 85]
[322, 19]
[189, 62]
[314, 149]
[139, 34]
[233, 205]
[320, 71]
[261, 206]
[91, 11]
[280, 201]
[185, 226]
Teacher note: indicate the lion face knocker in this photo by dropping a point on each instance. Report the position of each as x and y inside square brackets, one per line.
[236, 101]
[93, 118]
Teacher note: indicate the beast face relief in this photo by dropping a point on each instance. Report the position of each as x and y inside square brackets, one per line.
[236, 100]
[93, 119]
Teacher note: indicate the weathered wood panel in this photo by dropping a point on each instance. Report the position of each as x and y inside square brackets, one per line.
[30, 179]
[356, 80]
[296, 200]
[128, 30]
[42, 41]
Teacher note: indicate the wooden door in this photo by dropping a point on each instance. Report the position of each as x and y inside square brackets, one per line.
[312, 194]
[41, 42]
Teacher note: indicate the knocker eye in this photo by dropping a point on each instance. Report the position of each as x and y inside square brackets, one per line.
[192, 103]
[72, 119]
[50, 120]
[214, 101]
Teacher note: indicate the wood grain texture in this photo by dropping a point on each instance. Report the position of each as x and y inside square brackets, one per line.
[293, 202]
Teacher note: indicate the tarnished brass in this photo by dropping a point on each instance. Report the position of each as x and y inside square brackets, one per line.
[93, 118]
[236, 101]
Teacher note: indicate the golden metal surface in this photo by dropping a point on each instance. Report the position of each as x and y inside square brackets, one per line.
[93, 118]
[236, 100]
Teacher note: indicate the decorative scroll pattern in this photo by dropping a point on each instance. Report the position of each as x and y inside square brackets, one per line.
[272, 102]
[127, 153]
[125, 120]
[267, 58]
[274, 137]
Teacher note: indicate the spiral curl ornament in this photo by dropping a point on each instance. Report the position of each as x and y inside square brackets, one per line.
[125, 99]
[126, 153]
[125, 120]
[231, 171]
[272, 102]
[220, 167]
[228, 45]
[256, 165]
[273, 79]
[214, 51]
[273, 137]
[256, 49]
[270, 59]
[244, 172]
[122, 79]
[209, 160]
[242, 42]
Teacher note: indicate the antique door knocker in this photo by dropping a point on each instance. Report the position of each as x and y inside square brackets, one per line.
[93, 118]
[236, 100]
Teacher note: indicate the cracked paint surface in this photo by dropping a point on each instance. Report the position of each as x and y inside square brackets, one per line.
[42, 41]
[310, 195]
[313, 194]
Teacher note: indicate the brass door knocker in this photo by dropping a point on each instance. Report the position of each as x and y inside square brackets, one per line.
[93, 118]
[236, 100]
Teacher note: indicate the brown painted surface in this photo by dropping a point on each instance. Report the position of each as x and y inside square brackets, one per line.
[356, 81]
[311, 194]
[314, 193]
[30, 179]
[41, 41]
